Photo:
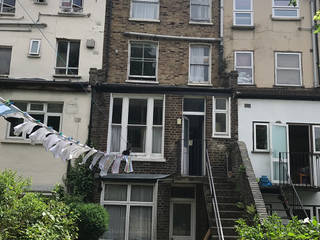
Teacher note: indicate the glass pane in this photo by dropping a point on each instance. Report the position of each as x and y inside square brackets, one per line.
[144, 10]
[136, 50]
[149, 68]
[157, 140]
[115, 138]
[62, 54]
[193, 105]
[140, 223]
[200, 13]
[200, 54]
[141, 193]
[8, 6]
[221, 104]
[39, 117]
[285, 13]
[150, 51]
[317, 138]
[137, 111]
[243, 4]
[283, 171]
[36, 106]
[136, 67]
[181, 219]
[21, 105]
[283, 3]
[261, 137]
[157, 112]
[137, 138]
[77, 2]
[243, 18]
[34, 46]
[5, 59]
[279, 140]
[117, 220]
[115, 192]
[244, 75]
[221, 122]
[61, 71]
[289, 77]
[74, 54]
[72, 71]
[243, 59]
[288, 60]
[14, 122]
[199, 73]
[301, 214]
[117, 110]
[54, 122]
[55, 107]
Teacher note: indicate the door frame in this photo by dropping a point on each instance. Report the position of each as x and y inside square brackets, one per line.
[192, 202]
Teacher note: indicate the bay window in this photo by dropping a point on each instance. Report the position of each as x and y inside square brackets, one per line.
[137, 123]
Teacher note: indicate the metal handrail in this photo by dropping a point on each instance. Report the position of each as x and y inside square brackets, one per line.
[214, 198]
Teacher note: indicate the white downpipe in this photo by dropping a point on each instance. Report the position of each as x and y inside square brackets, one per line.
[314, 49]
[221, 25]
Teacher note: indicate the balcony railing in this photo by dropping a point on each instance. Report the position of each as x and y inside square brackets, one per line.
[303, 168]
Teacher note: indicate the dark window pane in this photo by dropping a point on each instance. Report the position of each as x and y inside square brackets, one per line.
[5, 59]
[141, 193]
[117, 110]
[39, 117]
[261, 137]
[157, 112]
[72, 72]
[149, 68]
[117, 220]
[62, 54]
[137, 111]
[77, 2]
[55, 108]
[221, 122]
[221, 104]
[61, 71]
[115, 192]
[136, 50]
[74, 54]
[136, 68]
[193, 105]
[14, 122]
[140, 223]
[150, 51]
[36, 106]
[8, 6]
[182, 219]
[21, 105]
[137, 138]
[54, 122]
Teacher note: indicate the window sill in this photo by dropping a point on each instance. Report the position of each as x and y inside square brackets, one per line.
[137, 81]
[200, 84]
[286, 18]
[291, 86]
[147, 159]
[238, 27]
[144, 20]
[7, 14]
[18, 141]
[267, 152]
[73, 14]
[40, 3]
[221, 136]
[67, 76]
[33, 56]
[200, 23]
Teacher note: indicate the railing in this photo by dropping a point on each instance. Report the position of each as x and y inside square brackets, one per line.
[214, 198]
[291, 200]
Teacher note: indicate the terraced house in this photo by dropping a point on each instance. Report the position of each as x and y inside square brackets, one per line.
[46, 50]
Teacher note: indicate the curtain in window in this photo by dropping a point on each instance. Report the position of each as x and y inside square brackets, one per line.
[140, 223]
[200, 10]
[115, 138]
[156, 139]
[115, 192]
[141, 193]
[145, 9]
[116, 228]
[199, 69]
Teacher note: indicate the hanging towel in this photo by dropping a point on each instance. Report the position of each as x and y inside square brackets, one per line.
[128, 168]
[39, 135]
[116, 164]
[89, 154]
[25, 128]
[50, 140]
[56, 149]
[95, 159]
[66, 151]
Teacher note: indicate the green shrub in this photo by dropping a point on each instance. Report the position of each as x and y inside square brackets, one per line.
[273, 229]
[29, 215]
[92, 222]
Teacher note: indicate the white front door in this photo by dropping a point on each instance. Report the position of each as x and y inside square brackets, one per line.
[279, 144]
[182, 219]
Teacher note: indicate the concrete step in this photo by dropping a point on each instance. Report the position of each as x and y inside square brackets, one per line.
[227, 222]
[229, 231]
[231, 214]
[228, 199]
[227, 192]
[228, 207]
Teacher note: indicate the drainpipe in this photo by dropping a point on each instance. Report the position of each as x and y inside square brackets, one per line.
[221, 51]
[315, 47]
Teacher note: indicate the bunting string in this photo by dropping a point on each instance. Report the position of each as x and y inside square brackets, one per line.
[61, 146]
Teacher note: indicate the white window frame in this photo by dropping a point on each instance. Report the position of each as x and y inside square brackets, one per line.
[255, 149]
[286, 68]
[235, 11]
[129, 203]
[202, 21]
[7, 47]
[44, 112]
[6, 13]
[297, 8]
[209, 65]
[226, 134]
[137, 76]
[314, 139]
[37, 53]
[246, 67]
[318, 213]
[144, 19]
[67, 68]
[72, 8]
[147, 155]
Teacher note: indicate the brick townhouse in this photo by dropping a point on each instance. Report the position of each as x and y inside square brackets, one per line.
[163, 94]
